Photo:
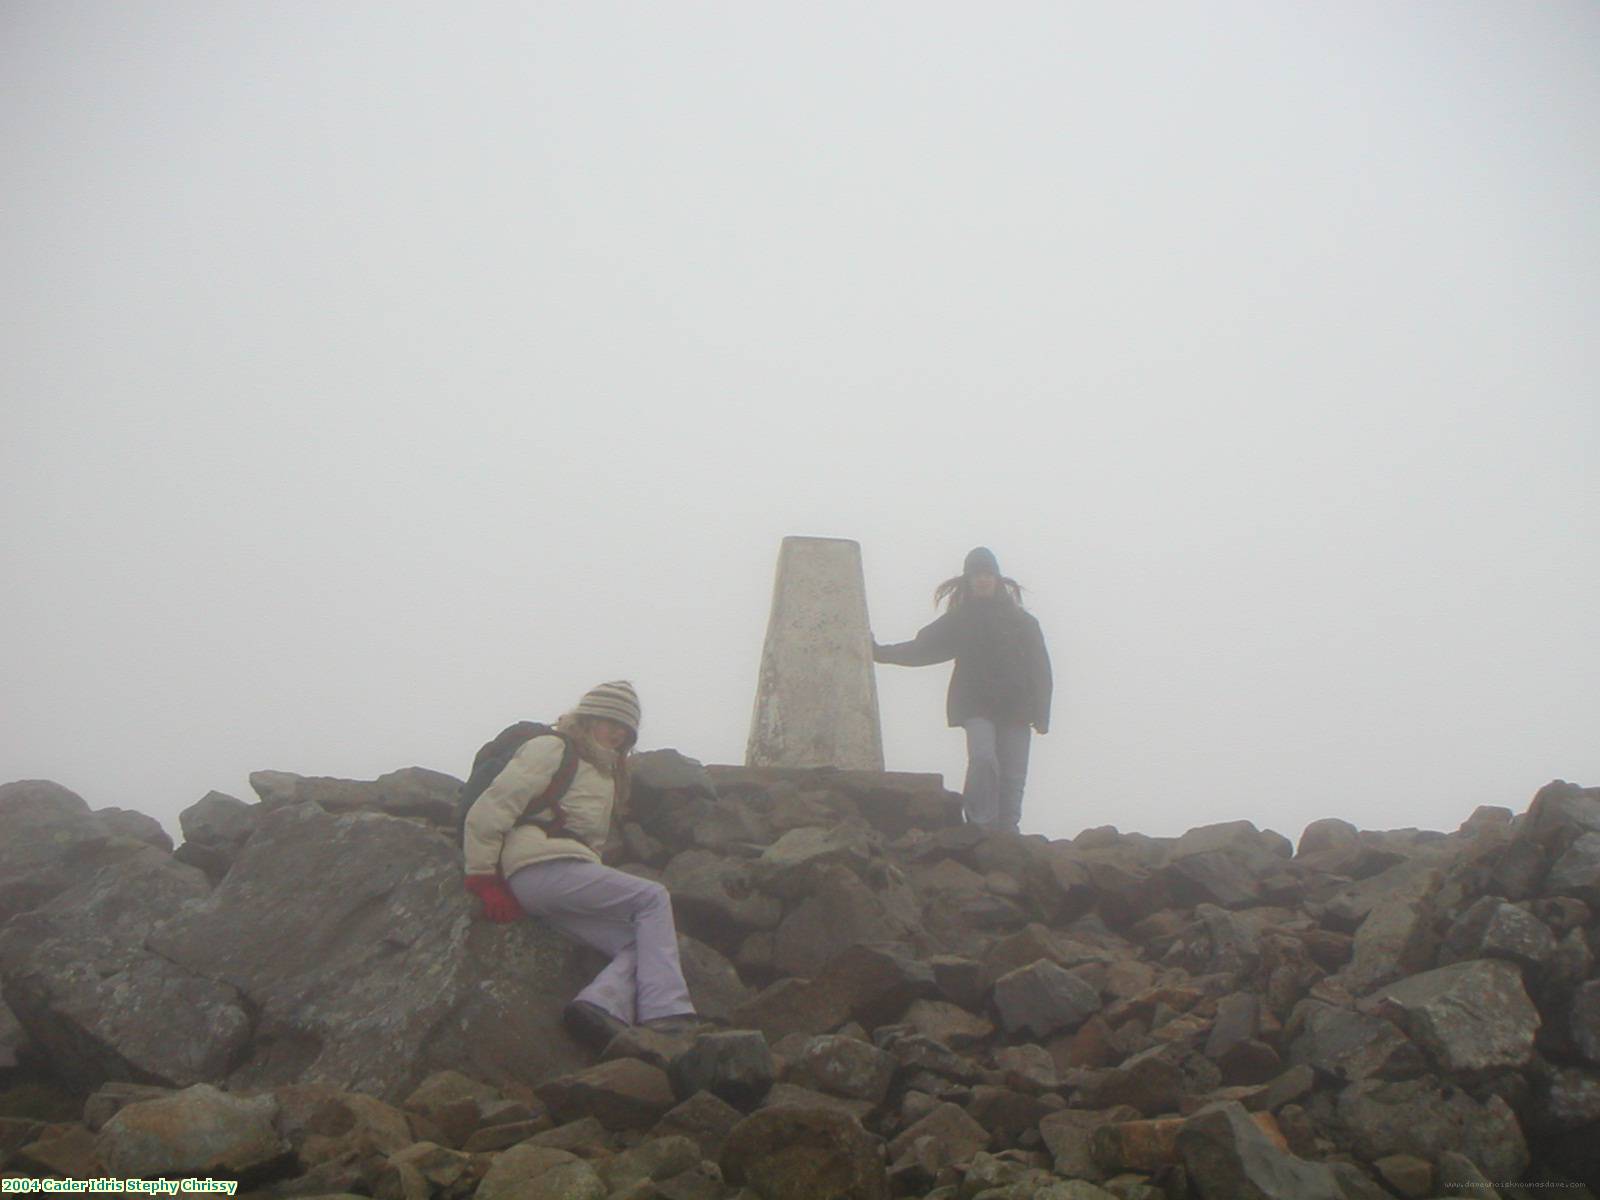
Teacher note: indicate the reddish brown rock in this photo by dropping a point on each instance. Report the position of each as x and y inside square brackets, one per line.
[947, 1023]
[1095, 1044]
[623, 1094]
[804, 1154]
[1009, 1114]
[704, 1120]
[945, 1135]
[1149, 1082]
[66, 1150]
[792, 1095]
[1150, 1145]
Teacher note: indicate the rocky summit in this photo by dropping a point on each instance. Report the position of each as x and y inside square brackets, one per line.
[302, 999]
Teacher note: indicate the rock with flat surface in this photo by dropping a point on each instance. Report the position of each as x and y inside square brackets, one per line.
[410, 792]
[949, 1023]
[1470, 1016]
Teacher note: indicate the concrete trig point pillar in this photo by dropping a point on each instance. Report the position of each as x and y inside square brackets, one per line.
[817, 700]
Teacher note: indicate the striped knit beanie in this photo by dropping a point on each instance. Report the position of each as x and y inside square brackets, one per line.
[616, 700]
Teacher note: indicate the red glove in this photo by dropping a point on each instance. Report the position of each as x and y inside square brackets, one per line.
[498, 903]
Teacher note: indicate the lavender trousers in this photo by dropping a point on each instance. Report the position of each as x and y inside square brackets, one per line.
[618, 914]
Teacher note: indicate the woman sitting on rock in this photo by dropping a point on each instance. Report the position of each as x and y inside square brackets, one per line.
[550, 867]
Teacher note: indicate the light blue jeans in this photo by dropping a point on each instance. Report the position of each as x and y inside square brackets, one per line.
[997, 768]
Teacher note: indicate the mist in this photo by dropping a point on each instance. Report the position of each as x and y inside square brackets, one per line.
[379, 374]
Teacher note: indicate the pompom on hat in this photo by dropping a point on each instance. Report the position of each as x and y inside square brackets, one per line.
[616, 700]
[980, 559]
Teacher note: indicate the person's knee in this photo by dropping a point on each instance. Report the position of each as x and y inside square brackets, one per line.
[652, 896]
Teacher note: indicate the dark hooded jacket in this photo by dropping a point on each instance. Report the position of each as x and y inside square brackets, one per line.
[1002, 669]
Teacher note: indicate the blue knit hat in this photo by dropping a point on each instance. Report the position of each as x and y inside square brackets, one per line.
[979, 560]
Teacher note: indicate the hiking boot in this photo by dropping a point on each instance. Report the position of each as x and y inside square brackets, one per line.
[591, 1024]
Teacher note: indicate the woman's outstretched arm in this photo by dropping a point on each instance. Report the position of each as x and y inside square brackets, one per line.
[934, 643]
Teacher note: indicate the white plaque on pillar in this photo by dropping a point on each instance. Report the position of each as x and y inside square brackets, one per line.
[817, 698]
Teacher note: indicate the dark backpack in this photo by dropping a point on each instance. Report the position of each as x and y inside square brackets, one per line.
[492, 759]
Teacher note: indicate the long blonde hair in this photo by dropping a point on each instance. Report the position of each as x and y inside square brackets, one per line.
[611, 763]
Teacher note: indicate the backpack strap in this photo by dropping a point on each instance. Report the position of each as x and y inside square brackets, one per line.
[555, 790]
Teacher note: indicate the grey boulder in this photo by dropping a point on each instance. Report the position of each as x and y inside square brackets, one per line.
[1471, 1016]
[365, 963]
[49, 840]
[98, 1003]
[410, 792]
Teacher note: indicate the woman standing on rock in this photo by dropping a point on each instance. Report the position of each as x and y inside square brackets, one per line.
[1000, 687]
[550, 867]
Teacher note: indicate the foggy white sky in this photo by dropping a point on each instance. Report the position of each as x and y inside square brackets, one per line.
[376, 374]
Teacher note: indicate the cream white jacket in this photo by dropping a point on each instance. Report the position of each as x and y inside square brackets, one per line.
[494, 839]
